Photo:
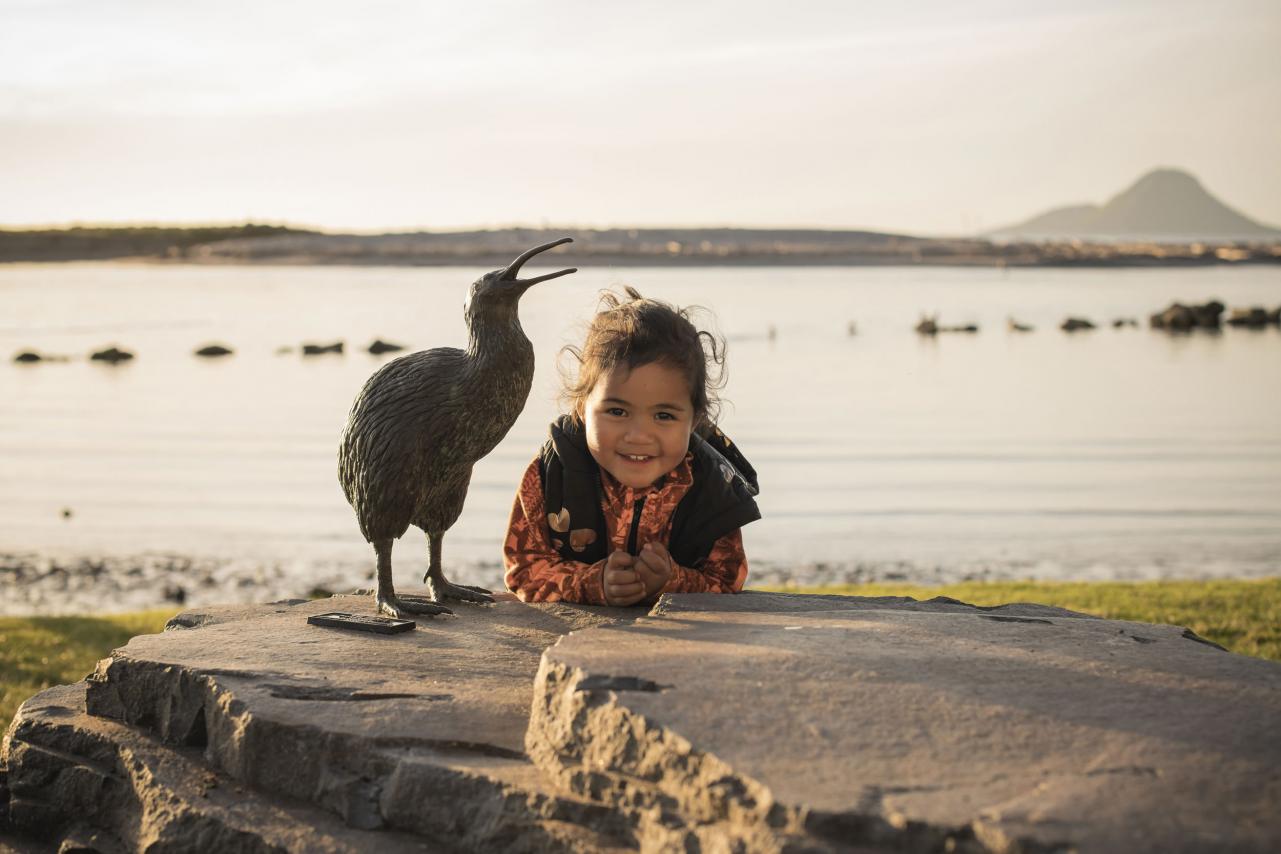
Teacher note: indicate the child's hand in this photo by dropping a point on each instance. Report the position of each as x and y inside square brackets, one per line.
[654, 567]
[623, 585]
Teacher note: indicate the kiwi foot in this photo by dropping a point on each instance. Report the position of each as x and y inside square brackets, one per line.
[399, 607]
[444, 591]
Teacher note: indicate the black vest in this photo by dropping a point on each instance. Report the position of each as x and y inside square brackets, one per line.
[719, 500]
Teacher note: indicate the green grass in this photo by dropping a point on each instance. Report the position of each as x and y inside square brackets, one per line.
[1244, 616]
[38, 652]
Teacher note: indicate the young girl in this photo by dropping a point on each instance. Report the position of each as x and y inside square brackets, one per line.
[635, 493]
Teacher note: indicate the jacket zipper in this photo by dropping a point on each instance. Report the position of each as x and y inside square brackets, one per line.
[631, 535]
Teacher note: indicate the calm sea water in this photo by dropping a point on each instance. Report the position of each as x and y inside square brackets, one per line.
[1116, 453]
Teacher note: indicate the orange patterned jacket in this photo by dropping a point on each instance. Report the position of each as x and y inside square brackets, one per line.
[537, 572]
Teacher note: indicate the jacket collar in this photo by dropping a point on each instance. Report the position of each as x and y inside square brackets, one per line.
[678, 478]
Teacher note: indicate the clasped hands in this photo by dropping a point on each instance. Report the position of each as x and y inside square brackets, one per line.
[633, 578]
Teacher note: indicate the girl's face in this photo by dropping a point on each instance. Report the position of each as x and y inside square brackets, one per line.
[638, 422]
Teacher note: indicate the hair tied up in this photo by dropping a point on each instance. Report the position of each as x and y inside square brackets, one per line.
[633, 331]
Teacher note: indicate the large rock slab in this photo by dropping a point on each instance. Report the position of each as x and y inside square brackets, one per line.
[841, 723]
[754, 722]
[421, 732]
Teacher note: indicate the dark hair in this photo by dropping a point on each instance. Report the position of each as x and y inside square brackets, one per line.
[637, 331]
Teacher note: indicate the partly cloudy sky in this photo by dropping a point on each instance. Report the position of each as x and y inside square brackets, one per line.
[920, 117]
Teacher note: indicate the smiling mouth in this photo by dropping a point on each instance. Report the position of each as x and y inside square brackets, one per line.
[636, 458]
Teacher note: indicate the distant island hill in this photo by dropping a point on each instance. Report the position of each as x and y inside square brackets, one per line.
[1166, 205]
[1165, 218]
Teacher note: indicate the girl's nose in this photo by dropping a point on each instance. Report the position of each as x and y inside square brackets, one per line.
[637, 431]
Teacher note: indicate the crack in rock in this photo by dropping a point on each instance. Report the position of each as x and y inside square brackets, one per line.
[1130, 770]
[619, 683]
[335, 694]
[1000, 618]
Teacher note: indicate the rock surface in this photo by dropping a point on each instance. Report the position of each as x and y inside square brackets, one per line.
[759, 721]
[917, 726]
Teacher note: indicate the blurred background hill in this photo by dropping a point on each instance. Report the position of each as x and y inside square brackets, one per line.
[1168, 205]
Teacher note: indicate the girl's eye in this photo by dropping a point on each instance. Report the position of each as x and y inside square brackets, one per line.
[616, 411]
[665, 416]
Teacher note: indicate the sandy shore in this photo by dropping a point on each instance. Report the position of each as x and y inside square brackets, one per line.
[43, 583]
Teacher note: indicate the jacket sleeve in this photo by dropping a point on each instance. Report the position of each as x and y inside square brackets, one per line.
[536, 572]
[724, 570]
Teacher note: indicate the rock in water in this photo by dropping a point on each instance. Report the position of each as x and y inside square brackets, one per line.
[1252, 318]
[212, 350]
[1072, 324]
[1181, 318]
[380, 346]
[112, 355]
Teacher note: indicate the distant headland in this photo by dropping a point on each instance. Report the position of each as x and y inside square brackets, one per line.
[257, 244]
[627, 247]
[1164, 219]
[1165, 205]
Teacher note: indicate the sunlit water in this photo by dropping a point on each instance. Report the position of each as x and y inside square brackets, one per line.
[1116, 453]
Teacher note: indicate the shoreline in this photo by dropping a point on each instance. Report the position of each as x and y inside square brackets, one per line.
[63, 583]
